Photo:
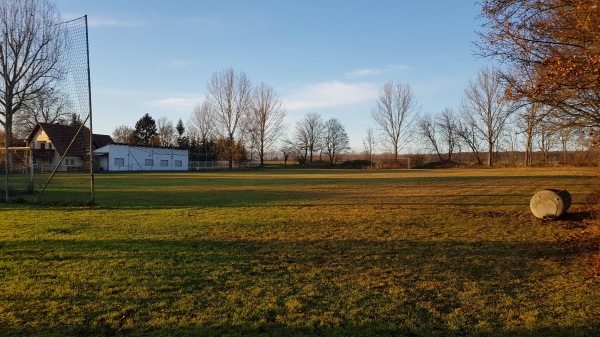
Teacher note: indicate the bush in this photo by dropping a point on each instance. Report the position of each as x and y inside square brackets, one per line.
[356, 164]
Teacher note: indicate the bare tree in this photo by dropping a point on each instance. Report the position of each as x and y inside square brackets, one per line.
[297, 147]
[48, 107]
[485, 108]
[370, 144]
[469, 136]
[202, 122]
[427, 128]
[528, 119]
[395, 113]
[310, 131]
[166, 131]
[447, 125]
[230, 97]
[286, 151]
[307, 139]
[336, 139]
[566, 137]
[124, 134]
[31, 42]
[265, 122]
[547, 139]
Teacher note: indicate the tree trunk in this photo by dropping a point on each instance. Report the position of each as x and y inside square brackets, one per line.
[529, 148]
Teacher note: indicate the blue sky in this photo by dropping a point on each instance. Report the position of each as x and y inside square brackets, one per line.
[329, 56]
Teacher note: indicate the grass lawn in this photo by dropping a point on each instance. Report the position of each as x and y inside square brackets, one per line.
[305, 253]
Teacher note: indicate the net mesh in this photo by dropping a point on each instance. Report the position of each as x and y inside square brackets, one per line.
[60, 156]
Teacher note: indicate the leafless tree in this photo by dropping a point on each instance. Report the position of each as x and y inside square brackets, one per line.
[336, 139]
[297, 147]
[370, 143]
[485, 108]
[566, 137]
[447, 125]
[265, 122]
[307, 139]
[469, 136]
[427, 128]
[124, 134]
[31, 42]
[230, 96]
[528, 118]
[49, 106]
[395, 113]
[166, 131]
[310, 131]
[547, 139]
[442, 133]
[286, 151]
[202, 122]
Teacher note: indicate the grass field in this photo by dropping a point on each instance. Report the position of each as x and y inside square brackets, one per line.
[305, 253]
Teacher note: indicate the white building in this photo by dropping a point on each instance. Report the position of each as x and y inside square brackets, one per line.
[123, 157]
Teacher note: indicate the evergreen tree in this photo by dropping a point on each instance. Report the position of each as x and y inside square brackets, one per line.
[181, 139]
[145, 130]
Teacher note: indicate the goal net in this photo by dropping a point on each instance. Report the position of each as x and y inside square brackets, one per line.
[55, 163]
[15, 163]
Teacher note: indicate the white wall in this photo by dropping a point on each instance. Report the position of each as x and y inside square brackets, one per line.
[117, 157]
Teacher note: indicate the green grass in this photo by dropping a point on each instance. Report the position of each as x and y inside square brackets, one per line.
[304, 253]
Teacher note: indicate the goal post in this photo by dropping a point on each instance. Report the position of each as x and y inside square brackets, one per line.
[17, 165]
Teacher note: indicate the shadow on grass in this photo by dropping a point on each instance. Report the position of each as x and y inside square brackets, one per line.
[171, 190]
[280, 330]
[199, 287]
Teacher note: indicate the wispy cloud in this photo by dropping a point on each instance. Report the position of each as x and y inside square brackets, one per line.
[329, 94]
[365, 72]
[186, 102]
[371, 72]
[109, 22]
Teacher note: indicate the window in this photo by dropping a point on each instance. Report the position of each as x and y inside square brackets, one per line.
[70, 161]
[149, 162]
[178, 163]
[164, 163]
[119, 161]
[42, 146]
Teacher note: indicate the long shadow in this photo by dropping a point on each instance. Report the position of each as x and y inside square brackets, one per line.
[105, 330]
[232, 190]
[287, 288]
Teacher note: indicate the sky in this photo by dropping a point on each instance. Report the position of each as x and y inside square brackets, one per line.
[329, 57]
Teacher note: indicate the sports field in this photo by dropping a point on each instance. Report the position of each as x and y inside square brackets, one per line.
[305, 253]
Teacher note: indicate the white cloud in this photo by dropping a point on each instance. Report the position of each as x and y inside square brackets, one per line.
[330, 94]
[365, 72]
[175, 102]
[370, 72]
